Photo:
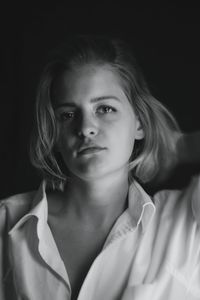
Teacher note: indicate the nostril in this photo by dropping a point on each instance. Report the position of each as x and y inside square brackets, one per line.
[85, 133]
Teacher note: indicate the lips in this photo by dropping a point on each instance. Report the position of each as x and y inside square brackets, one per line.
[90, 150]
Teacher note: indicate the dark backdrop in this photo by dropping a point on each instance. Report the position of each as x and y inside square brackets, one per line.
[166, 42]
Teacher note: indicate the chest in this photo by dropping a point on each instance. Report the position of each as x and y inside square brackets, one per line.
[78, 249]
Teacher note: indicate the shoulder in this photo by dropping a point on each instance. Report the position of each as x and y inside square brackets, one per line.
[186, 199]
[14, 207]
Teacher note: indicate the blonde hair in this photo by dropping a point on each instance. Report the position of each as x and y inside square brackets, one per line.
[160, 127]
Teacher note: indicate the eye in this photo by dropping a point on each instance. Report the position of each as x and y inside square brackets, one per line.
[66, 116]
[105, 109]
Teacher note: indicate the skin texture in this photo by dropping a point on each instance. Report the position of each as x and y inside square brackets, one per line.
[92, 110]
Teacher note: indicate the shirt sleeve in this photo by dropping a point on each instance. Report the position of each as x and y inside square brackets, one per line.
[194, 191]
[2, 235]
[7, 288]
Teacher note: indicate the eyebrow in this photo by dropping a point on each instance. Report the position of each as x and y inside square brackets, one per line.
[93, 100]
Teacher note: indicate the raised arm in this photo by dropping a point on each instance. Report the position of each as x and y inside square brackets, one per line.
[182, 166]
[188, 149]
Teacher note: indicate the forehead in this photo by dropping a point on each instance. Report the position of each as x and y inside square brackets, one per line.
[87, 82]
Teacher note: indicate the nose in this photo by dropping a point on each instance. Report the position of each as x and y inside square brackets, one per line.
[88, 127]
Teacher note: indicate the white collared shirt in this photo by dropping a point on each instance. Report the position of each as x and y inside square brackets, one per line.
[152, 251]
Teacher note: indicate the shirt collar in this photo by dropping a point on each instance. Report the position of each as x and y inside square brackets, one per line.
[140, 206]
[39, 208]
[46, 246]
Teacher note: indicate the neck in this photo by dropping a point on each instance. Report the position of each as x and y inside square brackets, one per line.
[98, 202]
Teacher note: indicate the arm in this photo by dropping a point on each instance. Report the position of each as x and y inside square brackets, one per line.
[188, 149]
[183, 166]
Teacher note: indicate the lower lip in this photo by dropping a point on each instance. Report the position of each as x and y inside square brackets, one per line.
[90, 151]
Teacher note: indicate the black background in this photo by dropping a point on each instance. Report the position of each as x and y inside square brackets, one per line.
[166, 39]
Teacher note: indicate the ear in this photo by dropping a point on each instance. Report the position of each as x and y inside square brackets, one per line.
[139, 132]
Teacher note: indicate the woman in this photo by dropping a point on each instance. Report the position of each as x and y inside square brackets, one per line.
[91, 231]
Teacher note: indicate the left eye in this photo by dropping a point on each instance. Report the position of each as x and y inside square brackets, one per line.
[105, 109]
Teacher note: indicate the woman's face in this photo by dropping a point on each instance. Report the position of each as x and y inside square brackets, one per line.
[97, 123]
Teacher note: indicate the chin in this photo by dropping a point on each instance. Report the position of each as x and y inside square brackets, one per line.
[94, 169]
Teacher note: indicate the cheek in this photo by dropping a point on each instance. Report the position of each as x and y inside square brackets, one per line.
[129, 139]
[129, 144]
[64, 140]
[123, 139]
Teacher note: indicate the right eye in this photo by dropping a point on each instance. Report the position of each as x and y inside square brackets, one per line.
[66, 116]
